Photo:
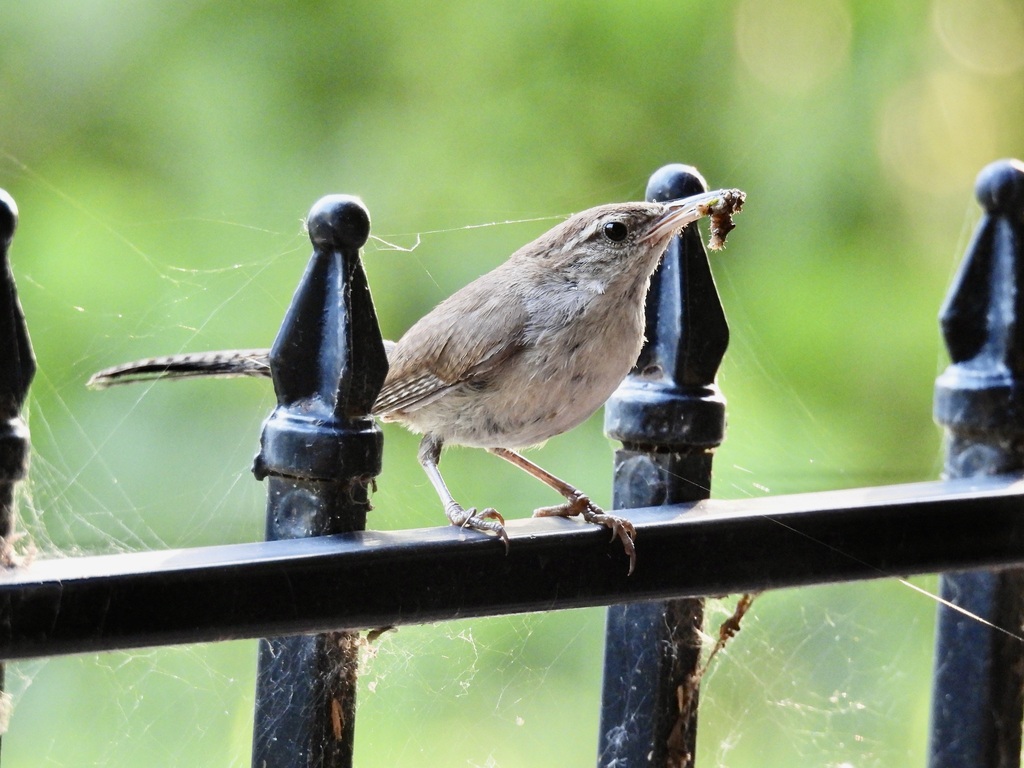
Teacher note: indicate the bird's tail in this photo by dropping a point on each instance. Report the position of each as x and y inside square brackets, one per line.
[232, 362]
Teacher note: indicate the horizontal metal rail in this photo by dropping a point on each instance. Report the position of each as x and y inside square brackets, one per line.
[375, 579]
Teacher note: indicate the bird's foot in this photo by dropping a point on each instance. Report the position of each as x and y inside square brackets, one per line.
[581, 505]
[488, 520]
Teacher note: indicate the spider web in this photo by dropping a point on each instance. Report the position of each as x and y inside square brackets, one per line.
[834, 675]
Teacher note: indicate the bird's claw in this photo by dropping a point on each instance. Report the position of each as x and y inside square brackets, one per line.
[487, 520]
[622, 529]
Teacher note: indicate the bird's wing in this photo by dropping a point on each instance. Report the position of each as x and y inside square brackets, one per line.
[460, 341]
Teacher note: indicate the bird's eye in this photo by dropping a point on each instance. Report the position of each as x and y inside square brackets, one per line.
[615, 231]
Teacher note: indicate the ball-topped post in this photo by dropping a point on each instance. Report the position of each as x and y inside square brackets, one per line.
[670, 416]
[671, 398]
[328, 361]
[319, 453]
[980, 396]
[17, 368]
[978, 691]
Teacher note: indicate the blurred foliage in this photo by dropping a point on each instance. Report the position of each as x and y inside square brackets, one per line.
[163, 155]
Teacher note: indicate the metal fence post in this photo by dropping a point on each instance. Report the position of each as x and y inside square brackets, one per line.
[17, 367]
[977, 704]
[320, 451]
[669, 415]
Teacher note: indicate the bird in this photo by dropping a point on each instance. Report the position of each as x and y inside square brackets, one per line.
[523, 353]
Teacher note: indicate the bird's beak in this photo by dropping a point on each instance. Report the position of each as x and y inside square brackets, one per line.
[679, 213]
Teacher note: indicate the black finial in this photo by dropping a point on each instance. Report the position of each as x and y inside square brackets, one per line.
[671, 398]
[18, 363]
[338, 222]
[8, 218]
[983, 316]
[328, 362]
[17, 367]
[1000, 188]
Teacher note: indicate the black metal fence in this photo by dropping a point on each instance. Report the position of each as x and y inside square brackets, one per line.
[319, 578]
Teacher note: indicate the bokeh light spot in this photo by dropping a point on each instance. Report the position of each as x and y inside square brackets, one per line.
[938, 130]
[793, 46]
[983, 35]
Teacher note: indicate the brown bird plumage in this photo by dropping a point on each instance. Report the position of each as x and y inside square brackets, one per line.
[521, 354]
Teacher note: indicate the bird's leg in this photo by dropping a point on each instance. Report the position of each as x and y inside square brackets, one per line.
[488, 520]
[577, 503]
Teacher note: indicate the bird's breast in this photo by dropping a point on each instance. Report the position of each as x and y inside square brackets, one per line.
[573, 358]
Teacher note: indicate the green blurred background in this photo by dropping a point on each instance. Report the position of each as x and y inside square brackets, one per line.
[163, 155]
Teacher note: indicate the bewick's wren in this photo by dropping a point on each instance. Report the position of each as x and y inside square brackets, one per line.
[521, 354]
